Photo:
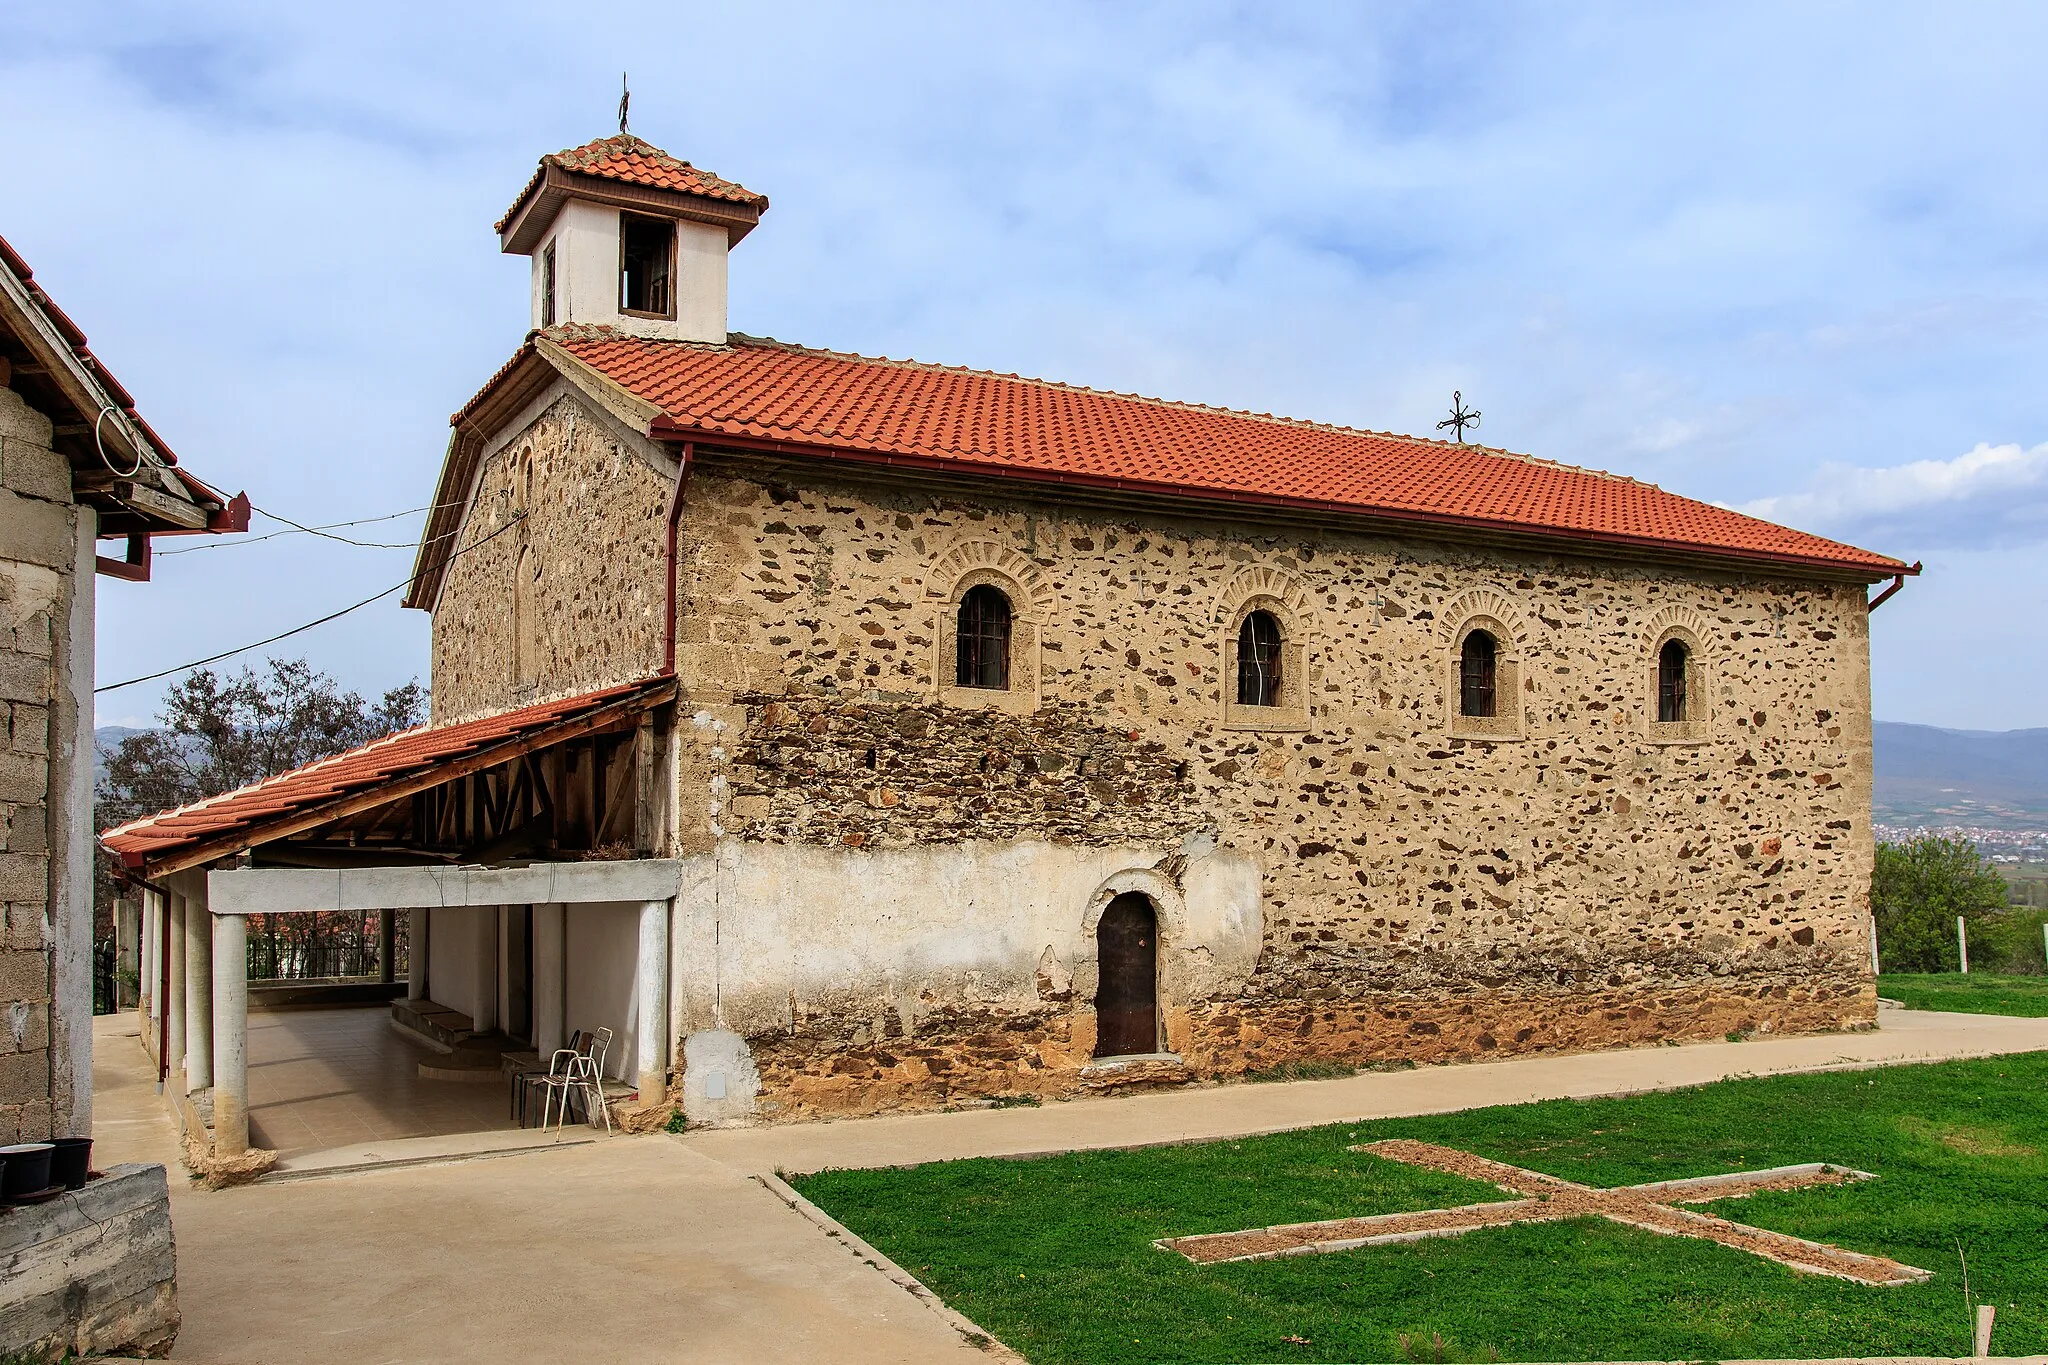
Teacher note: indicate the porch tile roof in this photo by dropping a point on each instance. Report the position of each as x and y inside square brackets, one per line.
[394, 758]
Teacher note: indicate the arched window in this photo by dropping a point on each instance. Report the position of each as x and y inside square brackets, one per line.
[982, 656]
[1671, 662]
[1258, 660]
[1478, 668]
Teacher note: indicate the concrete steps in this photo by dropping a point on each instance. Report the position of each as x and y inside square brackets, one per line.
[436, 1023]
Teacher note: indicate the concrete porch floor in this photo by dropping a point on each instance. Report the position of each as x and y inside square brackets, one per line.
[321, 1078]
[628, 1250]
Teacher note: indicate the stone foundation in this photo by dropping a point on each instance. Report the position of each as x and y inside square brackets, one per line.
[966, 1057]
[92, 1272]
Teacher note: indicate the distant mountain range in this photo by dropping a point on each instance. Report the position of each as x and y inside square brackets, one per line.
[1991, 778]
[105, 738]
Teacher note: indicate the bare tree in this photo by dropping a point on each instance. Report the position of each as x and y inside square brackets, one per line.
[219, 732]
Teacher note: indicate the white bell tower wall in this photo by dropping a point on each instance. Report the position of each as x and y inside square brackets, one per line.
[587, 266]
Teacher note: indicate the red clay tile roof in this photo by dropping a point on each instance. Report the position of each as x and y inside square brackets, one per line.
[630, 161]
[969, 420]
[249, 810]
[74, 337]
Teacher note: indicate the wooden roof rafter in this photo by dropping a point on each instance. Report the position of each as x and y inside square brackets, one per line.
[335, 793]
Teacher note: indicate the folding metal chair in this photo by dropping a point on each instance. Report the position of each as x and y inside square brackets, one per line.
[578, 1070]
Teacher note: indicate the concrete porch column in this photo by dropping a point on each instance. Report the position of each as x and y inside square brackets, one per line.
[198, 998]
[416, 931]
[484, 1010]
[127, 946]
[650, 1044]
[145, 1002]
[174, 1020]
[550, 946]
[230, 1035]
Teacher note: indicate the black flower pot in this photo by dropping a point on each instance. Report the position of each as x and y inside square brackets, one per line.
[28, 1169]
[71, 1162]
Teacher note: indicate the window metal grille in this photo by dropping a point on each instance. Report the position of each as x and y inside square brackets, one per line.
[1671, 661]
[1478, 665]
[983, 640]
[1258, 660]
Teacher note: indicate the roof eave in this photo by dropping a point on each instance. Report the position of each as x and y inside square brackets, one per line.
[1877, 568]
[159, 497]
[518, 381]
[529, 219]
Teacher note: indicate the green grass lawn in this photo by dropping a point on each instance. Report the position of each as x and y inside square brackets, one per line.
[1976, 993]
[1055, 1256]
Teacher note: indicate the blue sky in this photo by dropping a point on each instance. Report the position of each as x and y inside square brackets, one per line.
[1789, 258]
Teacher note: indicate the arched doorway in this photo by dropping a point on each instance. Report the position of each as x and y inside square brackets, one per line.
[1127, 991]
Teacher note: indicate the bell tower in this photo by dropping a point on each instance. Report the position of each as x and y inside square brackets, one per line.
[623, 235]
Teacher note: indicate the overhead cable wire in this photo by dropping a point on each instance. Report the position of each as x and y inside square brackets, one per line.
[330, 616]
[320, 531]
[223, 543]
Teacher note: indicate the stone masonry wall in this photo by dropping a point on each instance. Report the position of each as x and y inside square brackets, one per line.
[1589, 881]
[592, 605]
[35, 572]
[1425, 896]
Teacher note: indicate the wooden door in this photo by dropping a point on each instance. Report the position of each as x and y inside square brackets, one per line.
[1127, 993]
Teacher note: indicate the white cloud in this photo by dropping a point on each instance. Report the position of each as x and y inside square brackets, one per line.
[1797, 241]
[1989, 496]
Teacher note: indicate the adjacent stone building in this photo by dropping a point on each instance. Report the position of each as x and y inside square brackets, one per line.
[1393, 749]
[77, 465]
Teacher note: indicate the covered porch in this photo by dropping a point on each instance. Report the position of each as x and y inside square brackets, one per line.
[522, 853]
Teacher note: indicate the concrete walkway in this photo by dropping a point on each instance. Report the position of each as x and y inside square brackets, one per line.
[625, 1250]
[660, 1248]
[1242, 1110]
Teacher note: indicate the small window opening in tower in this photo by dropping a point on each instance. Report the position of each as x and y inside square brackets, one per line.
[1477, 665]
[647, 248]
[547, 286]
[1671, 661]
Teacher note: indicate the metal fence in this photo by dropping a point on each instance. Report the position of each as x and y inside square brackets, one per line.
[304, 947]
[104, 998]
[322, 946]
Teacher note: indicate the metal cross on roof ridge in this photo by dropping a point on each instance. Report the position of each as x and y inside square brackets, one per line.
[625, 100]
[1461, 416]
[1549, 1199]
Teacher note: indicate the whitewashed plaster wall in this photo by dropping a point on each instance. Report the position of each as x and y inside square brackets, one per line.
[586, 241]
[603, 954]
[761, 930]
[455, 977]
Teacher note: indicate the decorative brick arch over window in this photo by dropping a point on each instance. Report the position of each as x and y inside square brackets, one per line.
[962, 568]
[1690, 633]
[1488, 613]
[1283, 602]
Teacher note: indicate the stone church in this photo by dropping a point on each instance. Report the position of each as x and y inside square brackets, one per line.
[1024, 724]
[1027, 739]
